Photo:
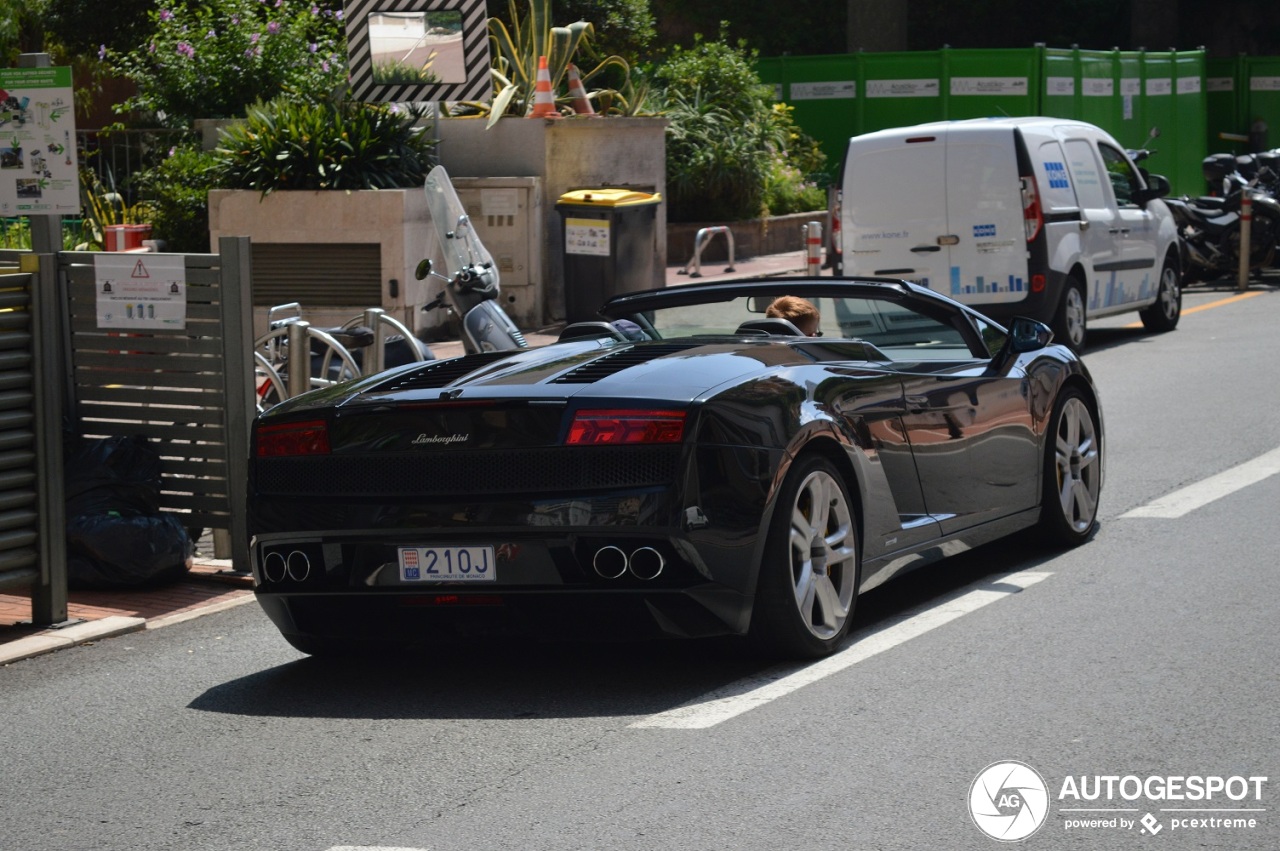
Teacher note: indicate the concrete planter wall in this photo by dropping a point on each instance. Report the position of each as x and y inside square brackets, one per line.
[394, 219]
[565, 155]
[751, 238]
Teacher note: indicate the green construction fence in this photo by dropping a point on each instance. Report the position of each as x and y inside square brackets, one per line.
[1199, 105]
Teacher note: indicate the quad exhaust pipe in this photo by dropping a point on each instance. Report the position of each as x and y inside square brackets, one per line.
[276, 566]
[643, 563]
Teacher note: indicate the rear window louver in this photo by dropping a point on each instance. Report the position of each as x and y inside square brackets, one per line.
[441, 373]
[612, 364]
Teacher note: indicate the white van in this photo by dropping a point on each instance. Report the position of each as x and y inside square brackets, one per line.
[1039, 217]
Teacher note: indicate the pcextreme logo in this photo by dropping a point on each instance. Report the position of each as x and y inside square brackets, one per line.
[1009, 801]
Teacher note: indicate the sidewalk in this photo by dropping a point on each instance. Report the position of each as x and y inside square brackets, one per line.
[210, 586]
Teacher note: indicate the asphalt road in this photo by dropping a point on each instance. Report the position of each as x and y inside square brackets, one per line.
[1146, 655]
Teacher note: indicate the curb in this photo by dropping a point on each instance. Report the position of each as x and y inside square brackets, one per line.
[52, 640]
[81, 633]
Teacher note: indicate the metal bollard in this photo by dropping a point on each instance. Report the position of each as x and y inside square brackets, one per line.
[813, 248]
[375, 360]
[1246, 229]
[299, 379]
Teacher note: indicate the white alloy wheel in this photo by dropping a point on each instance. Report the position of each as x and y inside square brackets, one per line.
[822, 555]
[1074, 477]
[809, 576]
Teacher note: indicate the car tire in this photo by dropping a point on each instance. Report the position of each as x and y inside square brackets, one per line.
[1070, 326]
[1164, 314]
[808, 583]
[1072, 475]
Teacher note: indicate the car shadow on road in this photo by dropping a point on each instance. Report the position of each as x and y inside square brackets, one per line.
[529, 679]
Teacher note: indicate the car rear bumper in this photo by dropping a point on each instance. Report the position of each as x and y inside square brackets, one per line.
[407, 618]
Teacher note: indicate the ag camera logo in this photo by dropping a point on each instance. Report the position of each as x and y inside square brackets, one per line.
[1008, 801]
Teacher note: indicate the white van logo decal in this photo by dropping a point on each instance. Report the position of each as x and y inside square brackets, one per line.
[1057, 175]
[983, 231]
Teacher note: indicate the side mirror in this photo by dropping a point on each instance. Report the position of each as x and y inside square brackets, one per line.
[1157, 187]
[1028, 335]
[423, 269]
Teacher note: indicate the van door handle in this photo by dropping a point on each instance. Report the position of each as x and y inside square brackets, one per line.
[921, 249]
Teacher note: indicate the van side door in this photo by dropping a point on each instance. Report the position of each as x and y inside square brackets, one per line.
[1138, 227]
[1099, 218]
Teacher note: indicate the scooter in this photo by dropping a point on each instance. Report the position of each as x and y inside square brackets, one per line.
[471, 286]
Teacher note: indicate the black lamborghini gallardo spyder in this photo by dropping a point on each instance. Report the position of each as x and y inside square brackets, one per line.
[685, 466]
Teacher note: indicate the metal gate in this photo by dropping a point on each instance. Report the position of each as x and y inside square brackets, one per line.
[189, 391]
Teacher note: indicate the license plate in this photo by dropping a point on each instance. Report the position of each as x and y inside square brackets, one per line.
[447, 564]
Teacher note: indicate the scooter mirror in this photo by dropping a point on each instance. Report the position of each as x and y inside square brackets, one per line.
[423, 269]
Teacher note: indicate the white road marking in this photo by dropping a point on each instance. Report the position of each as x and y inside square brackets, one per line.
[1203, 492]
[370, 848]
[747, 694]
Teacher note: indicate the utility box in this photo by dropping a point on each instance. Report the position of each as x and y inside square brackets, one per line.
[506, 213]
[609, 246]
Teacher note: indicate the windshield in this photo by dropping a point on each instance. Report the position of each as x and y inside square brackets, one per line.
[897, 329]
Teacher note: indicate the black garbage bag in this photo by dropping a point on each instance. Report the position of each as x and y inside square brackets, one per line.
[117, 550]
[117, 537]
[112, 474]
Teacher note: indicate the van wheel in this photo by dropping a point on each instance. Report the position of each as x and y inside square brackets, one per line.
[1069, 325]
[1164, 314]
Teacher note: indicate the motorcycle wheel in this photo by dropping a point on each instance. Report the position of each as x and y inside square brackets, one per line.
[1262, 242]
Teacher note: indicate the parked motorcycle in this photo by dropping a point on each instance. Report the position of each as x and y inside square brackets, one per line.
[1209, 226]
[471, 286]
[1262, 167]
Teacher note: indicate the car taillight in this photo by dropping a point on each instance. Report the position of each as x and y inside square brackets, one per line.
[836, 247]
[1032, 218]
[304, 438]
[619, 427]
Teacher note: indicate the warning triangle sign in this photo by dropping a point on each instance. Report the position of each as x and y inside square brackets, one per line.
[140, 271]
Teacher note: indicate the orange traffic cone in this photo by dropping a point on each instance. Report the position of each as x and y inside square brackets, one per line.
[581, 103]
[544, 100]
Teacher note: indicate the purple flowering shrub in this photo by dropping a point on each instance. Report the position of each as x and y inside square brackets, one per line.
[214, 59]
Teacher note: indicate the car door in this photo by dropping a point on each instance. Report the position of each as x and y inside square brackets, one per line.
[972, 439]
[966, 419]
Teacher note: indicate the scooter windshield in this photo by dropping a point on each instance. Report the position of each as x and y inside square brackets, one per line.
[459, 242]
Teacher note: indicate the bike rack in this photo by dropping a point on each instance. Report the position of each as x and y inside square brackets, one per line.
[383, 325]
[699, 243]
[296, 334]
